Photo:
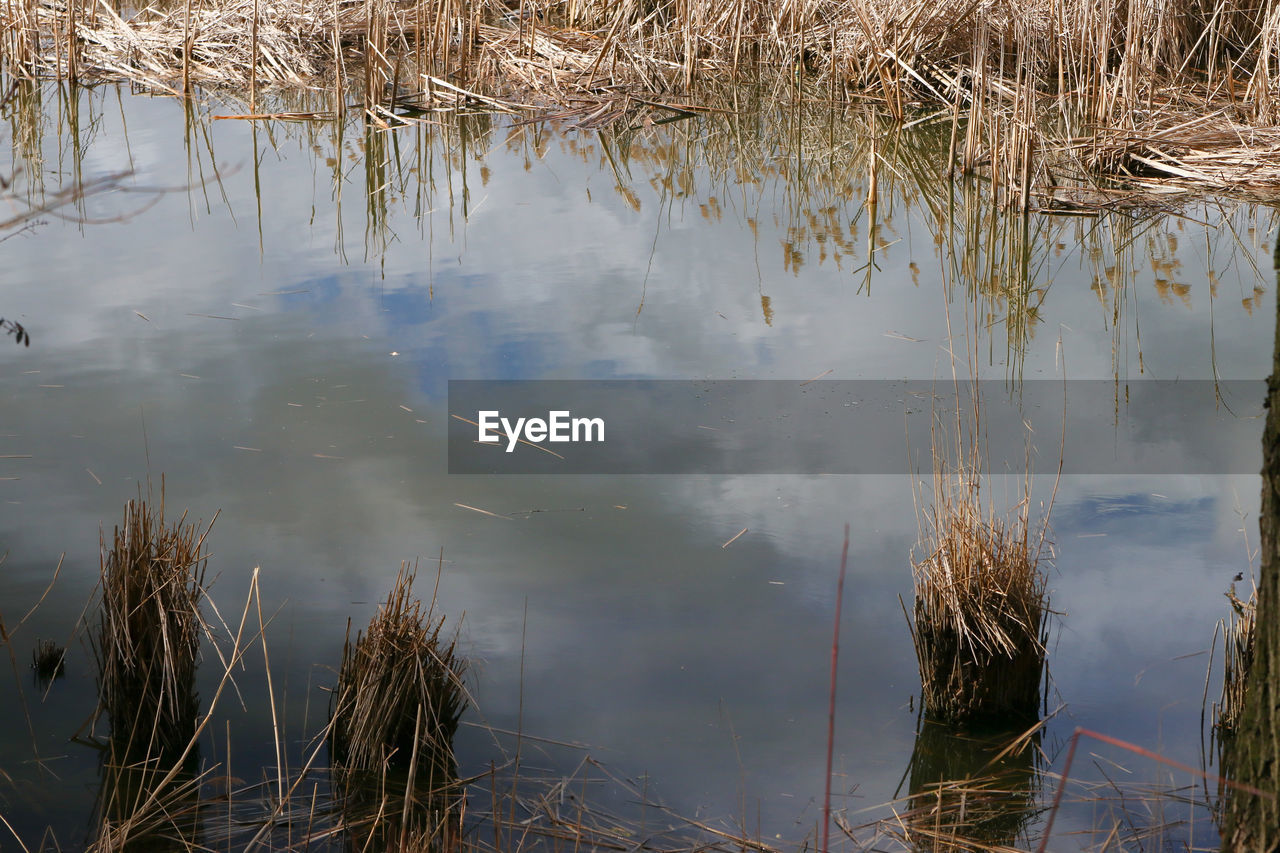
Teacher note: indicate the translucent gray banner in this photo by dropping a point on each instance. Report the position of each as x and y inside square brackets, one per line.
[852, 427]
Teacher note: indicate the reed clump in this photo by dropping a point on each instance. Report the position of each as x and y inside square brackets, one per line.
[981, 606]
[400, 693]
[1237, 660]
[48, 662]
[148, 639]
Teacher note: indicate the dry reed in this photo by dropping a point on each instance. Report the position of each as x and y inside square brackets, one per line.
[400, 693]
[512, 806]
[1237, 660]
[148, 639]
[143, 806]
[810, 163]
[397, 810]
[1237, 631]
[395, 712]
[147, 646]
[1044, 96]
[981, 609]
[1114, 801]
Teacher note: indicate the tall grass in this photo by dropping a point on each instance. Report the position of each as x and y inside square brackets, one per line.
[1238, 633]
[144, 805]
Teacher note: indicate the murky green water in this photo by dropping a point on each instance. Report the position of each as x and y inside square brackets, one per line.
[274, 333]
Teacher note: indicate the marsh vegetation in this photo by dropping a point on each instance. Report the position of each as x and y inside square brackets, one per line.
[980, 618]
[815, 198]
[1051, 101]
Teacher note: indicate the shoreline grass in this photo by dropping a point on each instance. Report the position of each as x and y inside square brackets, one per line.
[147, 648]
[1044, 97]
[811, 164]
[395, 711]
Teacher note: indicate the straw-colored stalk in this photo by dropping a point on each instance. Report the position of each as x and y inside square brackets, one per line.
[395, 711]
[400, 692]
[148, 639]
[980, 600]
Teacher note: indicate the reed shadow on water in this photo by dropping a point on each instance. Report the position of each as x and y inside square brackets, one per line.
[972, 790]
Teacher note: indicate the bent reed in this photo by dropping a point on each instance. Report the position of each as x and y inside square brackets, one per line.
[1044, 96]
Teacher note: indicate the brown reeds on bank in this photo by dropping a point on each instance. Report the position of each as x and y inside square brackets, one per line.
[400, 693]
[981, 606]
[148, 638]
[1047, 96]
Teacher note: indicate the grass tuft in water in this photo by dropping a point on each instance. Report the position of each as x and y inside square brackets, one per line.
[147, 646]
[981, 606]
[400, 692]
[1237, 660]
[48, 662]
[148, 639]
[973, 790]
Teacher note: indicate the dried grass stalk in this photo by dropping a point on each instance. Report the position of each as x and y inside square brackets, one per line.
[148, 639]
[400, 677]
[981, 606]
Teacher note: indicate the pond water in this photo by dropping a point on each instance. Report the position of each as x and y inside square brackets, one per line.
[269, 317]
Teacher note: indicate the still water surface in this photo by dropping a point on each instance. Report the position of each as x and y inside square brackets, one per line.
[275, 332]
